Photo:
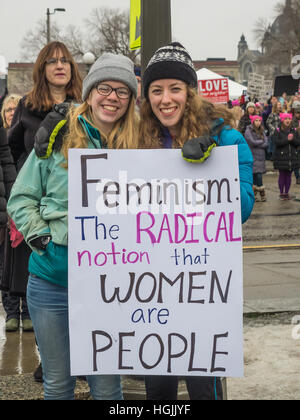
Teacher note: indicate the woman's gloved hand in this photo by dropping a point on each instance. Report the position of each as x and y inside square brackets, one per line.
[41, 242]
[50, 134]
[197, 150]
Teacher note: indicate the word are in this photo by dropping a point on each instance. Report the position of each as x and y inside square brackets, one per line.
[153, 344]
[178, 228]
[86, 258]
[147, 316]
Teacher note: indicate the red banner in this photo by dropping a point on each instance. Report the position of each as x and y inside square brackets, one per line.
[215, 90]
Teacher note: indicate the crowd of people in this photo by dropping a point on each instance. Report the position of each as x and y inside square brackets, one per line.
[105, 110]
[272, 131]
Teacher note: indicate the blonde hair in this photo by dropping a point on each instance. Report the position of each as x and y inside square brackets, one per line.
[124, 134]
[237, 113]
[14, 98]
[275, 108]
[196, 121]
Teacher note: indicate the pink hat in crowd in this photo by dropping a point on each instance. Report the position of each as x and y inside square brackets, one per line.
[255, 117]
[284, 116]
[235, 103]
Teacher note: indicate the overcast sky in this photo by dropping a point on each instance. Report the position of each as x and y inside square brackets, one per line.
[207, 28]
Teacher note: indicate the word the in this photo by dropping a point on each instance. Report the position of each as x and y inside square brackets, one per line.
[99, 230]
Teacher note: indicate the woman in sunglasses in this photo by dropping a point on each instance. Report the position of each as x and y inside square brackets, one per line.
[39, 207]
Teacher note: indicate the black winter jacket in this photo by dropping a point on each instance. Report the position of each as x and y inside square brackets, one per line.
[23, 128]
[286, 155]
[244, 122]
[7, 173]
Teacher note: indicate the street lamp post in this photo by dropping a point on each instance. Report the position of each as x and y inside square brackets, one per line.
[88, 59]
[48, 20]
[156, 27]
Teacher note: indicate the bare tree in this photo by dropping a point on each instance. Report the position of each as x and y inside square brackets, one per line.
[105, 30]
[280, 41]
[109, 31]
[35, 39]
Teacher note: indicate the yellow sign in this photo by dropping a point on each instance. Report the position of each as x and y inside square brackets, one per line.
[135, 24]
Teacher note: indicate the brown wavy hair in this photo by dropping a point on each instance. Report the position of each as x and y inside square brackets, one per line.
[124, 135]
[196, 121]
[259, 131]
[39, 97]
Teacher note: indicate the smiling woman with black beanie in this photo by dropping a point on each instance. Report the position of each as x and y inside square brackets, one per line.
[174, 116]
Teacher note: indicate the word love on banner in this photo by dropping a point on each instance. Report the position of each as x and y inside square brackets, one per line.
[155, 263]
[215, 90]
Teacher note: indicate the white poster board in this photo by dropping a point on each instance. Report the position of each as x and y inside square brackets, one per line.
[155, 289]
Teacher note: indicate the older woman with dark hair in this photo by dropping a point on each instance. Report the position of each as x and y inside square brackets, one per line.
[56, 79]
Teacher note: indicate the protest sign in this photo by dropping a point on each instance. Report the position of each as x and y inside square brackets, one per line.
[155, 263]
[215, 90]
[255, 84]
[135, 24]
[259, 87]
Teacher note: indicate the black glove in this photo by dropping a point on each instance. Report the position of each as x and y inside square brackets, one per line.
[198, 150]
[50, 134]
[41, 242]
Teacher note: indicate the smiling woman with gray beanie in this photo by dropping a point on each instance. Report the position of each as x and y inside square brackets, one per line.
[106, 119]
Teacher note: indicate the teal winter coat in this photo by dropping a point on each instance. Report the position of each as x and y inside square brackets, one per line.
[228, 137]
[38, 205]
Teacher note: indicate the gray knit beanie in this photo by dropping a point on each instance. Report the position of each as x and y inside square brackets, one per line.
[110, 67]
[250, 105]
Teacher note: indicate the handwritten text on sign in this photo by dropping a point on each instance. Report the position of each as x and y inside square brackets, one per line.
[155, 263]
[215, 90]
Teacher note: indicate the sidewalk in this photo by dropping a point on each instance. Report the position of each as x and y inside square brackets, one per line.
[271, 271]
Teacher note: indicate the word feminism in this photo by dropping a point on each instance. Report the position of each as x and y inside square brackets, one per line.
[132, 196]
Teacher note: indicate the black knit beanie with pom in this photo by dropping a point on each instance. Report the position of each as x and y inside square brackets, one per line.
[170, 62]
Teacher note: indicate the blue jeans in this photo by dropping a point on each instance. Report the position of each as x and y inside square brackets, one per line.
[48, 308]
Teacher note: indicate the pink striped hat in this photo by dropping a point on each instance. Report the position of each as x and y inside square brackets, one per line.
[255, 117]
[284, 116]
